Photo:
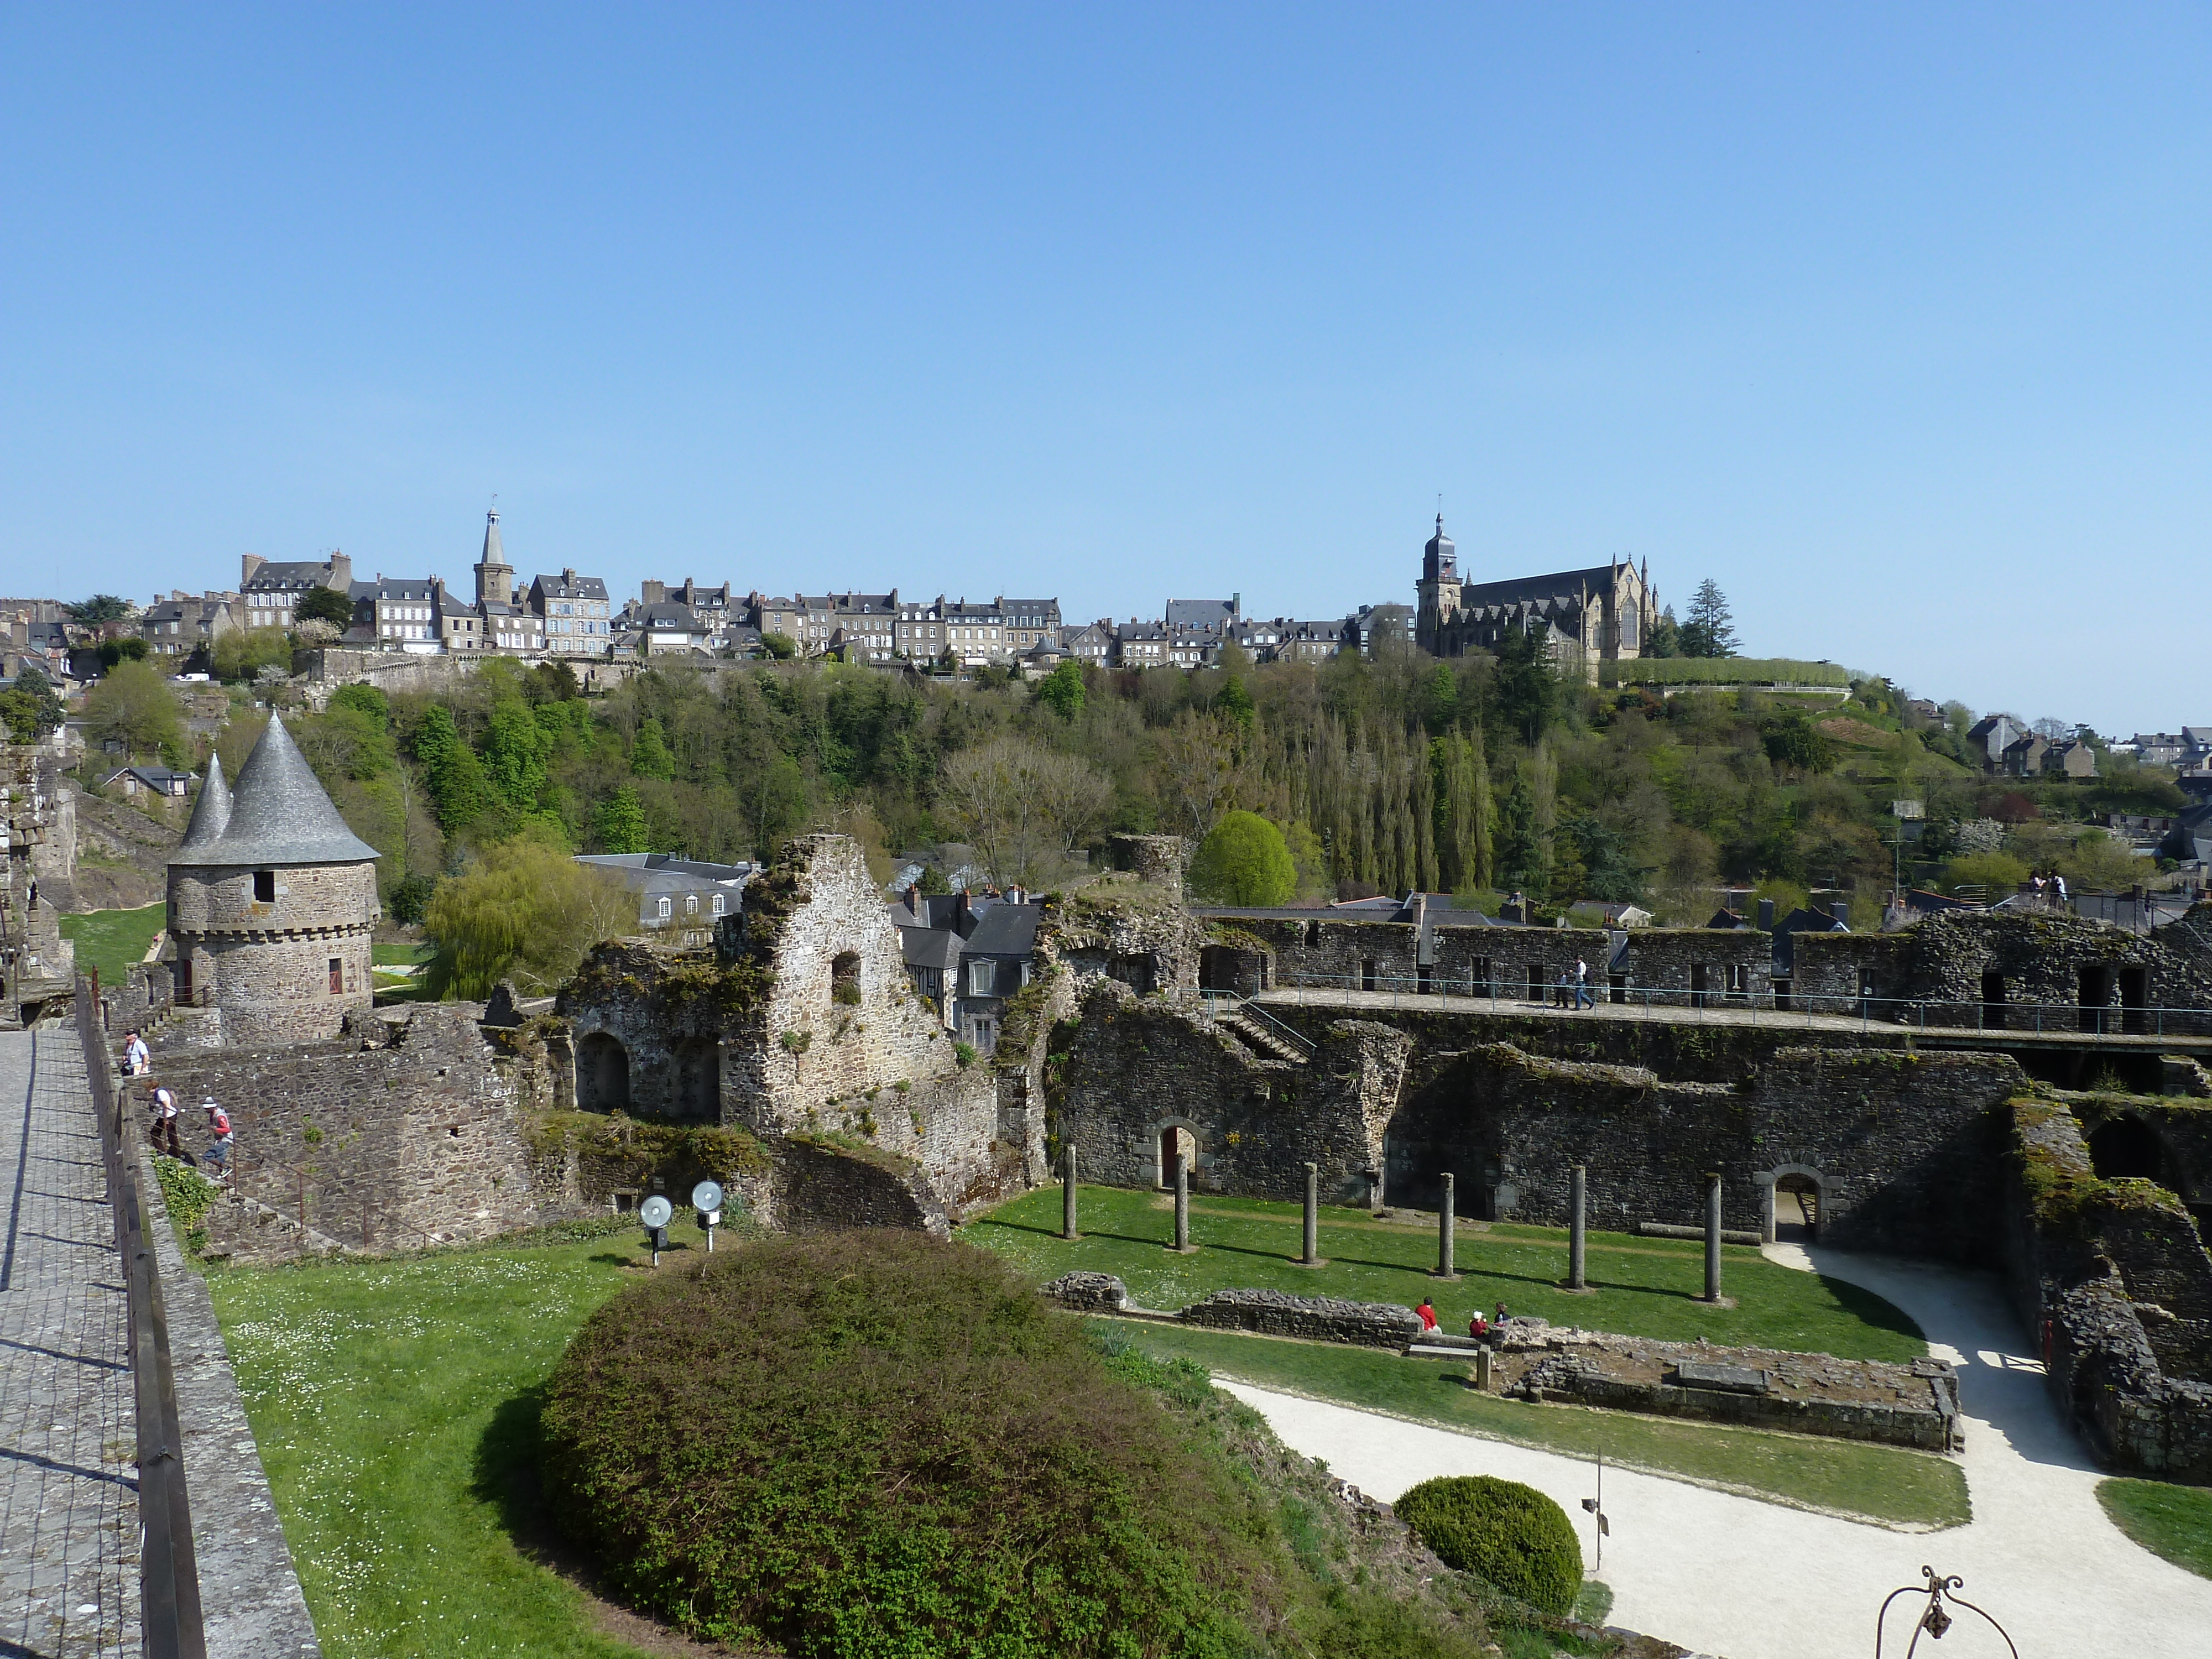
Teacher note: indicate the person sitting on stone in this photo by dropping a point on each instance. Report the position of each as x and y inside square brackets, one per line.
[1428, 1316]
[1500, 1319]
[1478, 1327]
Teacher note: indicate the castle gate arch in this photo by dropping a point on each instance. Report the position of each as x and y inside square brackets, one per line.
[1793, 1195]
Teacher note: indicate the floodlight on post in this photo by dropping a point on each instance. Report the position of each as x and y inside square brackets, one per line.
[656, 1212]
[706, 1200]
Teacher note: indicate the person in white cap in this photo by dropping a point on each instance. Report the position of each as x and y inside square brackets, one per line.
[218, 1121]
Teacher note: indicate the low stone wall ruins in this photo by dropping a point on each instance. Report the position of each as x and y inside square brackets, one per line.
[1915, 1404]
[2113, 1281]
[1317, 1318]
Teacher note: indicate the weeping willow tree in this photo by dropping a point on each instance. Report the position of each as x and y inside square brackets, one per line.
[527, 912]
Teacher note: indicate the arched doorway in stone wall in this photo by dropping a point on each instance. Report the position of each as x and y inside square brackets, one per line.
[602, 1073]
[1169, 1138]
[1794, 1202]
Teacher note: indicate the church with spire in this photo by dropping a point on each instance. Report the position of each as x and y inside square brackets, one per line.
[1585, 617]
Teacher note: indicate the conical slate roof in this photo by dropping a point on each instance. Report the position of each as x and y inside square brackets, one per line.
[210, 815]
[279, 814]
[493, 552]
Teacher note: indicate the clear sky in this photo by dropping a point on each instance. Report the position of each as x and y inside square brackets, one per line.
[1894, 320]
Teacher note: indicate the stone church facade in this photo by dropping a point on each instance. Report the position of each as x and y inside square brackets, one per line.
[1586, 617]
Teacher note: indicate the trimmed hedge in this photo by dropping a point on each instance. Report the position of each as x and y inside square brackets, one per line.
[1722, 670]
[1510, 1534]
[867, 1444]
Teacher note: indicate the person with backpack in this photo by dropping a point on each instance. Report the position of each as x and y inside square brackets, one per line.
[219, 1148]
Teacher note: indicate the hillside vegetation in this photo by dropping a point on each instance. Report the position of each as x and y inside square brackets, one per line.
[1476, 775]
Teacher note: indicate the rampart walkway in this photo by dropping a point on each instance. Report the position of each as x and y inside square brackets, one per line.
[1720, 1012]
[69, 1503]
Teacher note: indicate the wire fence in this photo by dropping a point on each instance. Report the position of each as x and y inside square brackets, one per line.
[2118, 1015]
[169, 1573]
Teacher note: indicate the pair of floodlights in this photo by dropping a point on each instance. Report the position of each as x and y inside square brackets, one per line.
[657, 1212]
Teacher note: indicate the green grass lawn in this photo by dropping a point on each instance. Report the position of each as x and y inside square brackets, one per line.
[398, 953]
[1640, 1286]
[395, 1404]
[113, 941]
[1882, 1483]
[2173, 1521]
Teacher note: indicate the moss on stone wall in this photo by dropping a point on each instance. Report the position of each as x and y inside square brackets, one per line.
[613, 1152]
[2064, 1188]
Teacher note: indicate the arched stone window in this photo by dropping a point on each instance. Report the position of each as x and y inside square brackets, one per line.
[602, 1073]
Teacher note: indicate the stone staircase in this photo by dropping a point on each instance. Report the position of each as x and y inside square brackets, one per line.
[1266, 1039]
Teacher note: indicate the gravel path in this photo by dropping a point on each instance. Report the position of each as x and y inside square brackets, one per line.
[1755, 1581]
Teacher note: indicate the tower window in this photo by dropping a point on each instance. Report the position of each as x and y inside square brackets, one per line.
[265, 887]
[337, 977]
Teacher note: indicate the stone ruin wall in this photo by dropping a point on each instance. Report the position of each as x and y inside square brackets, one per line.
[399, 1134]
[2115, 1288]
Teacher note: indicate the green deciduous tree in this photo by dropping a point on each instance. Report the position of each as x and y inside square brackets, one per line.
[459, 794]
[620, 823]
[1464, 815]
[1245, 861]
[1061, 691]
[134, 705]
[648, 756]
[243, 653]
[31, 708]
[324, 605]
[527, 912]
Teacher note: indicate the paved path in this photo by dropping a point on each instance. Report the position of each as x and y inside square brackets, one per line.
[69, 1500]
[1755, 1581]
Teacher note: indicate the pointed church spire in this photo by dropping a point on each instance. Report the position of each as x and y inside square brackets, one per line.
[493, 552]
[494, 576]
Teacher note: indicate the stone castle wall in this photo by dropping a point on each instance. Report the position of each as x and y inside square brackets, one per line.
[265, 965]
[400, 1134]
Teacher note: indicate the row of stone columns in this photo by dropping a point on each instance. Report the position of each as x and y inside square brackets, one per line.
[1309, 1251]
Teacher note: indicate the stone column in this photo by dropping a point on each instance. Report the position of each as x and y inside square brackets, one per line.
[1311, 1258]
[1182, 1203]
[1067, 1192]
[1482, 1364]
[1713, 1237]
[1445, 1231]
[1575, 1236]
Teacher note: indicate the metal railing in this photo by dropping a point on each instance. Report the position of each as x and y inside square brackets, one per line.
[1720, 1005]
[1217, 1002]
[168, 1572]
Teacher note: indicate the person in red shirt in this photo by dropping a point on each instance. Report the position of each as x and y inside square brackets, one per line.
[218, 1152]
[1478, 1327]
[1428, 1316]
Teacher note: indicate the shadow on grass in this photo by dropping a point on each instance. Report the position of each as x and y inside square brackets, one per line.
[1868, 1309]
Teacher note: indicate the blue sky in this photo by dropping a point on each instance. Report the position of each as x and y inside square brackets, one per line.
[1893, 324]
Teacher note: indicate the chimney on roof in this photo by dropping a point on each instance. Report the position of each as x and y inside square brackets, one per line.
[914, 898]
[963, 917]
[1767, 915]
[567, 576]
[341, 571]
[247, 564]
[1840, 910]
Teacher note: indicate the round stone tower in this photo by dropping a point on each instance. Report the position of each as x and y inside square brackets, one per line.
[272, 901]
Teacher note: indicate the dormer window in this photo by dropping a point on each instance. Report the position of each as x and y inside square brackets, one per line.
[691, 904]
[665, 909]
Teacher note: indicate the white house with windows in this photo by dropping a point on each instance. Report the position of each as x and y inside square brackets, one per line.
[402, 612]
[578, 623]
[677, 895]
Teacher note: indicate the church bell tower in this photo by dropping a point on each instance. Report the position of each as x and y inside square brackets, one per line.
[1438, 590]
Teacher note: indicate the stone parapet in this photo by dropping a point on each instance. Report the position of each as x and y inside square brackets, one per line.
[1318, 1318]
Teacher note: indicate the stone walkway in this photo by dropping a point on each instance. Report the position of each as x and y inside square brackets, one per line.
[69, 1500]
[1756, 1581]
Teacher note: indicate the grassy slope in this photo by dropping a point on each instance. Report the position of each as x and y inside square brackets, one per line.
[1884, 1483]
[393, 1401]
[2173, 1521]
[1641, 1286]
[113, 941]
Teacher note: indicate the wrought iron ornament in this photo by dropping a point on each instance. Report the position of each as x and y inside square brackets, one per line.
[1934, 1619]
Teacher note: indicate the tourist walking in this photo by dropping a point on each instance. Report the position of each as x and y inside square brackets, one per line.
[219, 1148]
[136, 1059]
[1583, 997]
[164, 1120]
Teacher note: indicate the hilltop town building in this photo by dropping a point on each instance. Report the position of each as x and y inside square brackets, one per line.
[1585, 617]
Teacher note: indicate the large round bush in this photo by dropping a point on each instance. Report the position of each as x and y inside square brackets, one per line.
[1512, 1535]
[1244, 861]
[867, 1443]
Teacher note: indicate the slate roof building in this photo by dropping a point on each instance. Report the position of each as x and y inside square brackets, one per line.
[578, 623]
[679, 896]
[271, 592]
[966, 957]
[272, 902]
[1605, 613]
